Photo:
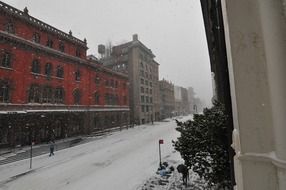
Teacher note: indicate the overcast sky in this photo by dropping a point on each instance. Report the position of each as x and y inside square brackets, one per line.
[172, 29]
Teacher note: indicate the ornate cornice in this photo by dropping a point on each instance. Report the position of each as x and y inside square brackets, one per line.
[33, 21]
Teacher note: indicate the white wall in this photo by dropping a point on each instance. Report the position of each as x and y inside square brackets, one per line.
[256, 48]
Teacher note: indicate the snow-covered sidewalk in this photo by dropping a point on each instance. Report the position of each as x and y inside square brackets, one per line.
[121, 161]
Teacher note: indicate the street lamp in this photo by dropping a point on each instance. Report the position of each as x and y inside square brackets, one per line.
[31, 141]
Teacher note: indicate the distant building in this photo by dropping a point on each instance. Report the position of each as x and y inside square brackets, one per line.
[167, 99]
[137, 61]
[48, 88]
[181, 101]
[196, 104]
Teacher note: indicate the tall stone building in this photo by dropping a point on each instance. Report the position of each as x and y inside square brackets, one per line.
[167, 99]
[137, 61]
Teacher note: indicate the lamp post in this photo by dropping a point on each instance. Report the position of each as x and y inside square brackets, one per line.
[161, 141]
[31, 141]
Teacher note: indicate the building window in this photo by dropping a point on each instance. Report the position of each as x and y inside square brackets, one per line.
[97, 80]
[62, 47]
[60, 71]
[142, 108]
[124, 85]
[151, 100]
[50, 42]
[77, 52]
[4, 92]
[116, 84]
[96, 98]
[142, 90]
[36, 37]
[116, 100]
[10, 28]
[48, 69]
[142, 81]
[6, 60]
[107, 98]
[150, 91]
[77, 75]
[47, 95]
[76, 96]
[36, 66]
[124, 100]
[107, 83]
[112, 83]
[34, 94]
[59, 95]
[142, 99]
[147, 99]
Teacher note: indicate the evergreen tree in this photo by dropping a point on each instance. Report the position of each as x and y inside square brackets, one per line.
[204, 147]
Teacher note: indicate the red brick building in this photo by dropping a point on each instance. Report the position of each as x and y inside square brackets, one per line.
[48, 88]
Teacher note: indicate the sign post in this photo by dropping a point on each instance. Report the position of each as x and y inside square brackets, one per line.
[161, 141]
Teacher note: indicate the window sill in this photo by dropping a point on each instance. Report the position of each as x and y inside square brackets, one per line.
[6, 68]
[42, 75]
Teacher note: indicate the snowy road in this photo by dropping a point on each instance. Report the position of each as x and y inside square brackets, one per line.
[121, 161]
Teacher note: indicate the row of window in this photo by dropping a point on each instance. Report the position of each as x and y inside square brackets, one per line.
[36, 68]
[146, 99]
[145, 108]
[146, 75]
[146, 82]
[47, 94]
[111, 83]
[10, 28]
[147, 90]
[146, 67]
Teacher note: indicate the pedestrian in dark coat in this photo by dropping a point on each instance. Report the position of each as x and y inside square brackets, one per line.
[52, 147]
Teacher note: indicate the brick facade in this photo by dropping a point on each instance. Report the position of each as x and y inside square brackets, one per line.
[49, 87]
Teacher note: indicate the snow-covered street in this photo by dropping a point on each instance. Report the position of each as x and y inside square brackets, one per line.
[121, 161]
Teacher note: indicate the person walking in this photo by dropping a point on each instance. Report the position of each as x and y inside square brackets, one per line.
[52, 148]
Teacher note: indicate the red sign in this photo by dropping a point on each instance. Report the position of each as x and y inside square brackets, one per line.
[161, 141]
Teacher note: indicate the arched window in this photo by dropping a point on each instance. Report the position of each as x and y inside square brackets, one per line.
[6, 60]
[59, 95]
[62, 47]
[36, 37]
[34, 94]
[60, 71]
[36, 66]
[48, 69]
[97, 80]
[50, 42]
[4, 92]
[77, 75]
[10, 27]
[96, 98]
[107, 99]
[47, 95]
[78, 52]
[77, 96]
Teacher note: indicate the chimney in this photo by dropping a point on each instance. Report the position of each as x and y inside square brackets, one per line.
[135, 37]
